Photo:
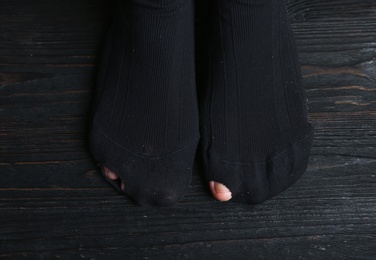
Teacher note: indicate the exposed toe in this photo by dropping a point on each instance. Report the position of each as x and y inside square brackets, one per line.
[114, 179]
[220, 191]
[110, 174]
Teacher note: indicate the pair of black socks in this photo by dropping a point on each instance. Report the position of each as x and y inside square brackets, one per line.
[255, 137]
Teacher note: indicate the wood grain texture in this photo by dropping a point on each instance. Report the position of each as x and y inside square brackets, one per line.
[54, 204]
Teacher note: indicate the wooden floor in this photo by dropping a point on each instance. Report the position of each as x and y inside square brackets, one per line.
[54, 204]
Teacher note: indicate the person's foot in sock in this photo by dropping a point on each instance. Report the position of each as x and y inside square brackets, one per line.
[255, 134]
[145, 125]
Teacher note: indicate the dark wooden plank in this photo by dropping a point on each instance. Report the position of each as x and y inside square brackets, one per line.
[54, 204]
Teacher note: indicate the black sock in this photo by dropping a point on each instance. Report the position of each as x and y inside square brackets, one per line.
[256, 137]
[145, 125]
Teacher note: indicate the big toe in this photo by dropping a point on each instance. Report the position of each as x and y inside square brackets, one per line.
[114, 177]
[220, 191]
[110, 174]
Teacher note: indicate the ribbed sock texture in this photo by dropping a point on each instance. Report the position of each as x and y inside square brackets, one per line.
[256, 135]
[145, 125]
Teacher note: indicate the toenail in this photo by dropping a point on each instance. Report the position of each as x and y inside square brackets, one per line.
[220, 188]
[220, 191]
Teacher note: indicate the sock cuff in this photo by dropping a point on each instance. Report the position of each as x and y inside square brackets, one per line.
[249, 2]
[159, 4]
[152, 7]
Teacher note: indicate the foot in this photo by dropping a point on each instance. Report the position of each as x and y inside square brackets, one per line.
[255, 134]
[145, 122]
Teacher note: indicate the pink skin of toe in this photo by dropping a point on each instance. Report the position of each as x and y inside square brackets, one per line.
[113, 176]
[220, 191]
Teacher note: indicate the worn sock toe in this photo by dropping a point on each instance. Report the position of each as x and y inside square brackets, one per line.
[145, 123]
[256, 136]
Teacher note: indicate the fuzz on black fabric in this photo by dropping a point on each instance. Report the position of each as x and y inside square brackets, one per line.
[256, 137]
[145, 123]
